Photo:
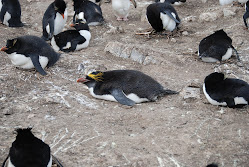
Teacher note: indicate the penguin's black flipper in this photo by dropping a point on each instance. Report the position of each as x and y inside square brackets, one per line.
[167, 12]
[170, 92]
[2, 13]
[36, 63]
[245, 16]
[121, 98]
[5, 164]
[236, 52]
[56, 161]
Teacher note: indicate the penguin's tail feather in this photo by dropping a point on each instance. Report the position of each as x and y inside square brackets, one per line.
[170, 92]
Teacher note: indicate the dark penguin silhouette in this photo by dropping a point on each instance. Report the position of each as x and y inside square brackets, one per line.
[29, 151]
[162, 16]
[125, 86]
[212, 165]
[72, 40]
[54, 19]
[29, 52]
[10, 13]
[226, 91]
[246, 15]
[173, 2]
[216, 47]
[87, 11]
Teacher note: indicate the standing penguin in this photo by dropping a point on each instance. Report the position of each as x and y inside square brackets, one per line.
[87, 11]
[72, 40]
[246, 15]
[54, 19]
[10, 13]
[29, 151]
[226, 91]
[216, 47]
[29, 52]
[125, 86]
[121, 8]
[162, 16]
[173, 2]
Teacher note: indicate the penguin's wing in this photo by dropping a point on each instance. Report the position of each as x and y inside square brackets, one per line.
[36, 63]
[245, 16]
[119, 95]
[56, 161]
[5, 163]
[168, 12]
[2, 13]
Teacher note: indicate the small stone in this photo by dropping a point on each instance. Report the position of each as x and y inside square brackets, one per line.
[31, 116]
[208, 17]
[228, 12]
[173, 40]
[185, 33]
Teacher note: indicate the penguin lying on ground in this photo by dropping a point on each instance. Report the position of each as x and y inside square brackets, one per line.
[29, 52]
[121, 8]
[29, 151]
[72, 40]
[216, 47]
[162, 16]
[54, 19]
[226, 91]
[125, 86]
[10, 13]
[87, 11]
[173, 2]
[246, 15]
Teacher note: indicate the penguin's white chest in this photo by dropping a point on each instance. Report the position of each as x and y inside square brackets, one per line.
[87, 35]
[1, 5]
[109, 97]
[81, 16]
[228, 54]
[9, 163]
[6, 18]
[210, 100]
[59, 22]
[121, 7]
[225, 2]
[168, 23]
[24, 62]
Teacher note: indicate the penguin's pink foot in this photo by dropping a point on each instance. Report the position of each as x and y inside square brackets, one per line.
[119, 18]
[125, 19]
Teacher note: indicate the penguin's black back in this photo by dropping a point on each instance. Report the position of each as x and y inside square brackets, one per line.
[224, 90]
[29, 151]
[50, 13]
[34, 45]
[13, 7]
[215, 45]
[92, 11]
[153, 14]
[130, 81]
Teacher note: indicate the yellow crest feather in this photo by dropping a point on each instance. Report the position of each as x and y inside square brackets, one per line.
[97, 77]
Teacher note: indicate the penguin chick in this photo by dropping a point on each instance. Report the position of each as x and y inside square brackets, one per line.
[226, 2]
[162, 16]
[72, 40]
[29, 151]
[173, 2]
[10, 13]
[222, 91]
[87, 11]
[54, 19]
[124, 86]
[121, 8]
[246, 15]
[29, 52]
[216, 47]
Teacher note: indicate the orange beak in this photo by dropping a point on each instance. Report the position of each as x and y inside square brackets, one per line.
[82, 80]
[63, 15]
[4, 48]
[72, 25]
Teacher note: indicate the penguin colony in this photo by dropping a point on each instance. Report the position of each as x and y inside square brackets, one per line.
[127, 87]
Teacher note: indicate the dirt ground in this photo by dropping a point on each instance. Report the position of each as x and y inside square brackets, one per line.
[176, 131]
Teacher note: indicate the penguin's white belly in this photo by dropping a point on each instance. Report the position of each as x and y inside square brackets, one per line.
[168, 23]
[87, 35]
[109, 97]
[6, 18]
[50, 162]
[80, 16]
[225, 2]
[54, 45]
[24, 62]
[212, 101]
[1, 5]
[209, 59]
[240, 100]
[228, 54]
[242, 1]
[9, 163]
[121, 7]
[178, 3]
[59, 22]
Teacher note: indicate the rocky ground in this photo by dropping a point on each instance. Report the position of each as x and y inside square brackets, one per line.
[181, 130]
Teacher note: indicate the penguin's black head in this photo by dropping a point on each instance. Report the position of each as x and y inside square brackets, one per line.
[92, 78]
[11, 46]
[80, 25]
[60, 6]
[221, 32]
[212, 165]
[214, 78]
[24, 135]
